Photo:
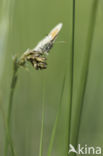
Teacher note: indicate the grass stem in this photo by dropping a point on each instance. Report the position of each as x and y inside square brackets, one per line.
[8, 140]
[56, 120]
[84, 76]
[85, 68]
[42, 122]
[72, 72]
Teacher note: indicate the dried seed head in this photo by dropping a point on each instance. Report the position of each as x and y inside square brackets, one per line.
[37, 56]
[38, 61]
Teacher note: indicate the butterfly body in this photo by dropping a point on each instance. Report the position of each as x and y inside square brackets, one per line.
[44, 48]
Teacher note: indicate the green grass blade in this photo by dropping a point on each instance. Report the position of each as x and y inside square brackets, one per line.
[84, 73]
[8, 140]
[42, 122]
[72, 72]
[8, 136]
[88, 55]
[56, 120]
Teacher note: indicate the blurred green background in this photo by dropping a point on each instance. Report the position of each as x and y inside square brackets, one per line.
[22, 24]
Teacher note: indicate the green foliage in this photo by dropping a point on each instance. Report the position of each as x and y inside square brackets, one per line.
[62, 104]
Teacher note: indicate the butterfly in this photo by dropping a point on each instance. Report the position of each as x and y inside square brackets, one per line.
[37, 56]
[45, 45]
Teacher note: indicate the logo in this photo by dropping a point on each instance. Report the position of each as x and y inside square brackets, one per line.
[85, 149]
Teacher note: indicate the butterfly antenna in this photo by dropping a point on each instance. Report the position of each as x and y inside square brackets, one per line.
[60, 42]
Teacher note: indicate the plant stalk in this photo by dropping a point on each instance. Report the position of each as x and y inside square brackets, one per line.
[12, 90]
[42, 122]
[84, 76]
[72, 72]
[87, 61]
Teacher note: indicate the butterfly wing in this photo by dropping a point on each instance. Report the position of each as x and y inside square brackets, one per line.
[55, 31]
[46, 44]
